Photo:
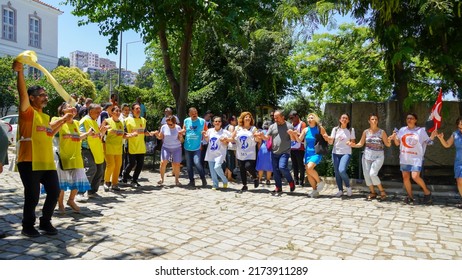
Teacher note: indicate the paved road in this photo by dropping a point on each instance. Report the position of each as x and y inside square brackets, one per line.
[173, 223]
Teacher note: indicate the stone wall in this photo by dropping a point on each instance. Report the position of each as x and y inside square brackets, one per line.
[435, 156]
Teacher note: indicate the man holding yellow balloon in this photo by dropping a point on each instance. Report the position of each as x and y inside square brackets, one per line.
[35, 153]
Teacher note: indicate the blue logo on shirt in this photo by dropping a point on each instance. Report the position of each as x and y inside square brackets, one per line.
[213, 144]
[243, 141]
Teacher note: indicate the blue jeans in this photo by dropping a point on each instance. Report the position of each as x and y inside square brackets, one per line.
[216, 169]
[193, 158]
[340, 168]
[280, 163]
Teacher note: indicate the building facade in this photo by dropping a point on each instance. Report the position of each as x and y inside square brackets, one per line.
[87, 60]
[30, 25]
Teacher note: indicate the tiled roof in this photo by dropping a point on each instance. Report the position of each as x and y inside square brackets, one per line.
[45, 4]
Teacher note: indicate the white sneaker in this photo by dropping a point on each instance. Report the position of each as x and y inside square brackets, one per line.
[81, 198]
[320, 186]
[339, 194]
[314, 194]
[349, 192]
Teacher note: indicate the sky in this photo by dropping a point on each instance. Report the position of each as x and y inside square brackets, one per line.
[72, 37]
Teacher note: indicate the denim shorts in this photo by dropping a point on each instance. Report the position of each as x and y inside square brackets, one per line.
[410, 168]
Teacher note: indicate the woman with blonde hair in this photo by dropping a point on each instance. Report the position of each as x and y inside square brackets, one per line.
[311, 159]
[246, 148]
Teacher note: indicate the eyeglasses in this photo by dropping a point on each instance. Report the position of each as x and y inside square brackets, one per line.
[42, 95]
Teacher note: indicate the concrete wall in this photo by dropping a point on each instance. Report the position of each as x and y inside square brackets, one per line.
[435, 155]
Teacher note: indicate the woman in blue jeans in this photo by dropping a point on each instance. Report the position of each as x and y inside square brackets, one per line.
[342, 137]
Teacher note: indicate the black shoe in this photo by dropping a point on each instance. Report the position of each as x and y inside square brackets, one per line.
[93, 195]
[191, 184]
[204, 183]
[136, 184]
[30, 232]
[116, 188]
[409, 200]
[256, 183]
[48, 228]
[427, 199]
[244, 189]
[107, 186]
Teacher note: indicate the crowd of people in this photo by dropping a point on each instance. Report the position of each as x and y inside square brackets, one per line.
[90, 145]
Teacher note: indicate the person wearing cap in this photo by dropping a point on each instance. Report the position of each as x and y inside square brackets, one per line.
[297, 149]
[35, 155]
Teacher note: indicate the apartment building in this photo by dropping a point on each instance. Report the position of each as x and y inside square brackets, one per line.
[88, 60]
[30, 25]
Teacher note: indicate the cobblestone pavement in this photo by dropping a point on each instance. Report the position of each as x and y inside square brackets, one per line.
[152, 222]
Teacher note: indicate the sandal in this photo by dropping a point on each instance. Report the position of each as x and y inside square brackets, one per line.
[383, 196]
[74, 206]
[62, 210]
[372, 196]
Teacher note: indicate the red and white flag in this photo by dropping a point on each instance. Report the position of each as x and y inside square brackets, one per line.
[434, 120]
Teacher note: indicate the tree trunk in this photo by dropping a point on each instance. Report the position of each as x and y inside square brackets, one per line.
[401, 86]
[173, 82]
[185, 51]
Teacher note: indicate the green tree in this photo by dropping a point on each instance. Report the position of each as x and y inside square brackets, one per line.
[243, 72]
[75, 81]
[8, 96]
[171, 23]
[64, 61]
[343, 67]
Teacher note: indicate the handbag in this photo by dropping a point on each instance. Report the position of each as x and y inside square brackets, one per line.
[61, 163]
[269, 143]
[321, 145]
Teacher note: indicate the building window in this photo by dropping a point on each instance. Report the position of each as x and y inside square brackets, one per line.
[8, 23]
[34, 31]
[34, 73]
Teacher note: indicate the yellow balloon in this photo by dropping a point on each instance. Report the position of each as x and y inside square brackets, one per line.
[30, 58]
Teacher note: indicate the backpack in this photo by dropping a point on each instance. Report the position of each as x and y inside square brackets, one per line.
[321, 145]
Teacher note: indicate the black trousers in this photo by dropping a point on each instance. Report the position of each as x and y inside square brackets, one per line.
[31, 181]
[244, 166]
[134, 160]
[297, 157]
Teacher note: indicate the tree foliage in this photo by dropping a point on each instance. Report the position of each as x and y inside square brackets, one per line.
[172, 24]
[420, 39]
[8, 90]
[64, 61]
[75, 81]
[343, 67]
